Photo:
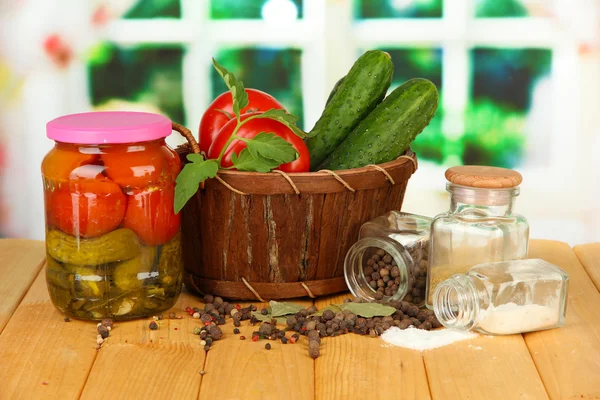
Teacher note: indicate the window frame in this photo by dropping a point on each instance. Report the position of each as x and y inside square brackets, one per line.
[457, 32]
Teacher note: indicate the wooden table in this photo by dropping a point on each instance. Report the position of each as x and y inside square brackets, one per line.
[41, 356]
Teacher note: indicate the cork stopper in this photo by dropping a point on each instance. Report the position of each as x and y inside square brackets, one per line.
[483, 177]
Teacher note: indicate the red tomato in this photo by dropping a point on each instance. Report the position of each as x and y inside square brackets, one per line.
[69, 163]
[87, 207]
[133, 166]
[150, 215]
[212, 121]
[253, 128]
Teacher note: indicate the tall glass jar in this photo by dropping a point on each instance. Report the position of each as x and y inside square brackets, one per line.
[504, 298]
[389, 261]
[480, 226]
[112, 238]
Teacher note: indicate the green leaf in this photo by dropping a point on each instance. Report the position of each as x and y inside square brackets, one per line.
[190, 177]
[271, 146]
[267, 318]
[247, 162]
[368, 310]
[197, 158]
[279, 309]
[288, 120]
[333, 307]
[238, 93]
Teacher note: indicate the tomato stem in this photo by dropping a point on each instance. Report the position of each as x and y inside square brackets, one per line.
[234, 135]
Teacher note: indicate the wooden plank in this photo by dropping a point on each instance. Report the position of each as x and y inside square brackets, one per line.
[242, 369]
[138, 363]
[589, 256]
[568, 359]
[41, 355]
[484, 368]
[21, 262]
[359, 367]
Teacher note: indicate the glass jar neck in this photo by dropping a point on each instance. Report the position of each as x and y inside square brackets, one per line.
[457, 301]
[488, 202]
[355, 261]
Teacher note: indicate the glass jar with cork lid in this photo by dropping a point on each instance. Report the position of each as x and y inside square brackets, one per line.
[480, 226]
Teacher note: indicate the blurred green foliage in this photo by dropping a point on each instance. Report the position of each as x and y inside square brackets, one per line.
[275, 71]
[508, 75]
[493, 135]
[144, 74]
[241, 9]
[423, 63]
[500, 8]
[155, 9]
[397, 8]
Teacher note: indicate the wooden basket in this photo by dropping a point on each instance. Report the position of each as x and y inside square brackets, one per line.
[263, 236]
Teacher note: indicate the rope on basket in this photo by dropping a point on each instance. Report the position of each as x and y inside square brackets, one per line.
[312, 296]
[254, 292]
[228, 186]
[415, 164]
[339, 179]
[287, 178]
[383, 171]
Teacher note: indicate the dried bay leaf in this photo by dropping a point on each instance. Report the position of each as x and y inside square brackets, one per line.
[368, 310]
[280, 309]
[267, 318]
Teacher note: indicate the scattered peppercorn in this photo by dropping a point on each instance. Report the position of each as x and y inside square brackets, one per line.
[242, 337]
[196, 330]
[255, 338]
[108, 322]
[153, 325]
[172, 315]
[67, 319]
[103, 331]
[236, 331]
[196, 315]
[284, 340]
[202, 372]
[268, 346]
[313, 349]
[208, 298]
[264, 311]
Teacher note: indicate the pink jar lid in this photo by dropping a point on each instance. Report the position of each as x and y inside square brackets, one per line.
[108, 127]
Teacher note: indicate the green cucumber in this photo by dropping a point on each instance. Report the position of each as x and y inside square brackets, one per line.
[334, 90]
[352, 99]
[388, 131]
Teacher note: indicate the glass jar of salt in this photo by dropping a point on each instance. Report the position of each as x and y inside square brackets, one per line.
[389, 261]
[480, 226]
[504, 298]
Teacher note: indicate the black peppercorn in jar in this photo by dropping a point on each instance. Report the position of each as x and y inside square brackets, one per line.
[389, 261]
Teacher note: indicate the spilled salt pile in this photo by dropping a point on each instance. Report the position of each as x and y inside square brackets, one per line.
[419, 339]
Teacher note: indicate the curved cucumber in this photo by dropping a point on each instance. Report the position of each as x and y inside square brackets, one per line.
[352, 99]
[388, 131]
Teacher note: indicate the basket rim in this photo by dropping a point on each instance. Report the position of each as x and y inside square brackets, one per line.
[342, 172]
[394, 172]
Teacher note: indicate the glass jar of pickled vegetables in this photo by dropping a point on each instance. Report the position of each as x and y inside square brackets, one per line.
[480, 227]
[112, 238]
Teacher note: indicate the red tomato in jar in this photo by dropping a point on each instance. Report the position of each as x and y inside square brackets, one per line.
[253, 128]
[69, 163]
[87, 207]
[133, 166]
[151, 216]
[213, 120]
